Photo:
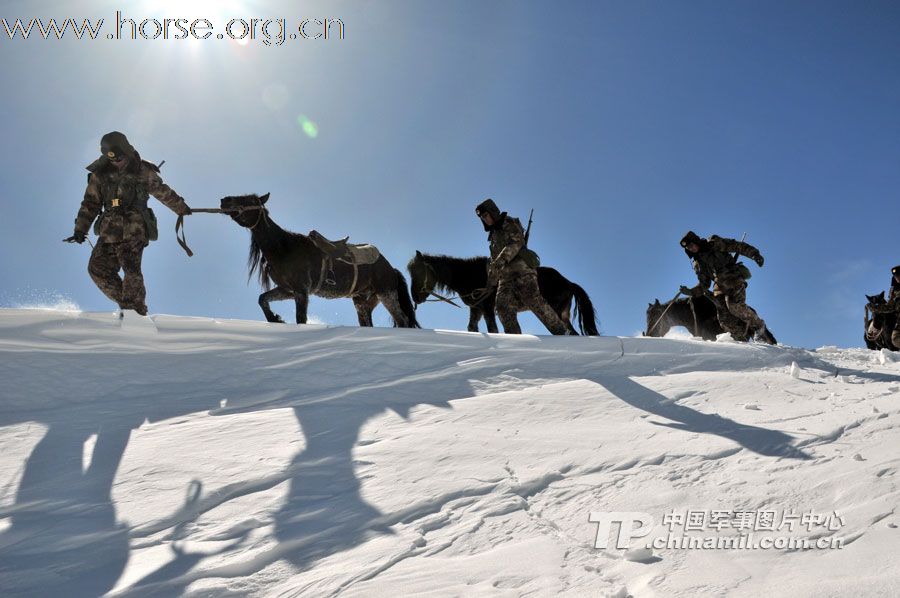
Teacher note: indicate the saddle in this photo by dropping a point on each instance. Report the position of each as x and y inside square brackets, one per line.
[343, 251]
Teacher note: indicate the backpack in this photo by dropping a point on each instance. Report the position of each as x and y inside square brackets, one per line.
[530, 257]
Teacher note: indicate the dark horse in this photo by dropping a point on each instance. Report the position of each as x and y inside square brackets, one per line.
[698, 314]
[681, 313]
[880, 327]
[298, 268]
[467, 276]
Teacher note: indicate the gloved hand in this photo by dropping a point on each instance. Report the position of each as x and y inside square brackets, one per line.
[78, 237]
[759, 259]
[493, 275]
[186, 211]
[691, 291]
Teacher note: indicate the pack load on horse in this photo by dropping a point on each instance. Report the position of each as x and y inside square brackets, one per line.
[294, 266]
[879, 323]
[431, 275]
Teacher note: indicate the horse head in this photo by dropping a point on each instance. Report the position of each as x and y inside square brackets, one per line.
[877, 299]
[655, 325]
[422, 279]
[246, 210]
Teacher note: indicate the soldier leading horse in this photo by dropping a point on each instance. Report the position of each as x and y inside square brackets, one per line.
[467, 277]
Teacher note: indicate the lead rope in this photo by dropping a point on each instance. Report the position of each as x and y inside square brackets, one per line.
[181, 238]
[694, 313]
[179, 224]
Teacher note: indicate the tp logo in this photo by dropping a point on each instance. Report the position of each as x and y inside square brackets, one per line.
[627, 528]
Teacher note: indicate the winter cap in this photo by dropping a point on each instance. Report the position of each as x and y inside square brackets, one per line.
[691, 237]
[489, 207]
[115, 145]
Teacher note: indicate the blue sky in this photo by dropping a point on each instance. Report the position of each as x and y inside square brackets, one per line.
[623, 124]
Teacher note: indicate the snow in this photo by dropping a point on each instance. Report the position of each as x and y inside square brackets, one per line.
[173, 455]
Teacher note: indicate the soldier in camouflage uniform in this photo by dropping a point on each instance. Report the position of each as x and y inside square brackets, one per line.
[715, 260]
[892, 306]
[119, 185]
[515, 279]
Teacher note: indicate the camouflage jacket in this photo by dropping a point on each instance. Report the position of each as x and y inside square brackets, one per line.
[507, 238]
[120, 198]
[716, 262]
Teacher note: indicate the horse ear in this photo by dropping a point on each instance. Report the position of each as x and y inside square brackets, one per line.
[657, 302]
[263, 199]
[418, 253]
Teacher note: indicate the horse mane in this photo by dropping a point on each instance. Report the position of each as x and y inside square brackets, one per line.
[458, 274]
[274, 239]
[258, 264]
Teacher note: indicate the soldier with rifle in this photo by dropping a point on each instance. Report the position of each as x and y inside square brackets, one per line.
[513, 271]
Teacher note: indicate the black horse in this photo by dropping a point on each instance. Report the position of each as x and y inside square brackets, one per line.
[467, 277]
[699, 315]
[880, 326]
[298, 268]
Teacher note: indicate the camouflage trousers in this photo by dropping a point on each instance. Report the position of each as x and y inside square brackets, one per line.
[731, 296]
[106, 261]
[521, 292]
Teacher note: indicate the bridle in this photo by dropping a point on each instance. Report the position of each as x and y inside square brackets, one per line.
[425, 291]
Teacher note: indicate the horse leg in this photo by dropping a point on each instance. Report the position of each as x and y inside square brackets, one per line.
[364, 305]
[301, 301]
[474, 316]
[276, 294]
[488, 308]
[392, 303]
[564, 312]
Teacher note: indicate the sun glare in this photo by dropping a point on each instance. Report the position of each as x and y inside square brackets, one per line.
[219, 12]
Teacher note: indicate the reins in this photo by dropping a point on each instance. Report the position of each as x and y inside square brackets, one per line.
[669, 306]
[482, 293]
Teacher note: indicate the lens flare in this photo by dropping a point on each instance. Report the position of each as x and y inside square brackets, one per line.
[310, 128]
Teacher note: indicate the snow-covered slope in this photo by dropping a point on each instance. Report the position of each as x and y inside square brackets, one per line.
[187, 455]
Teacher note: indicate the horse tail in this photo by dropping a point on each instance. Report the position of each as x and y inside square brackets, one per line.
[584, 311]
[406, 304]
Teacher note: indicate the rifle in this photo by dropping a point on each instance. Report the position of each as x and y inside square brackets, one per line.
[528, 228]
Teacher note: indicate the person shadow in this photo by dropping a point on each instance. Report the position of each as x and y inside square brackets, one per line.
[64, 537]
[324, 512]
